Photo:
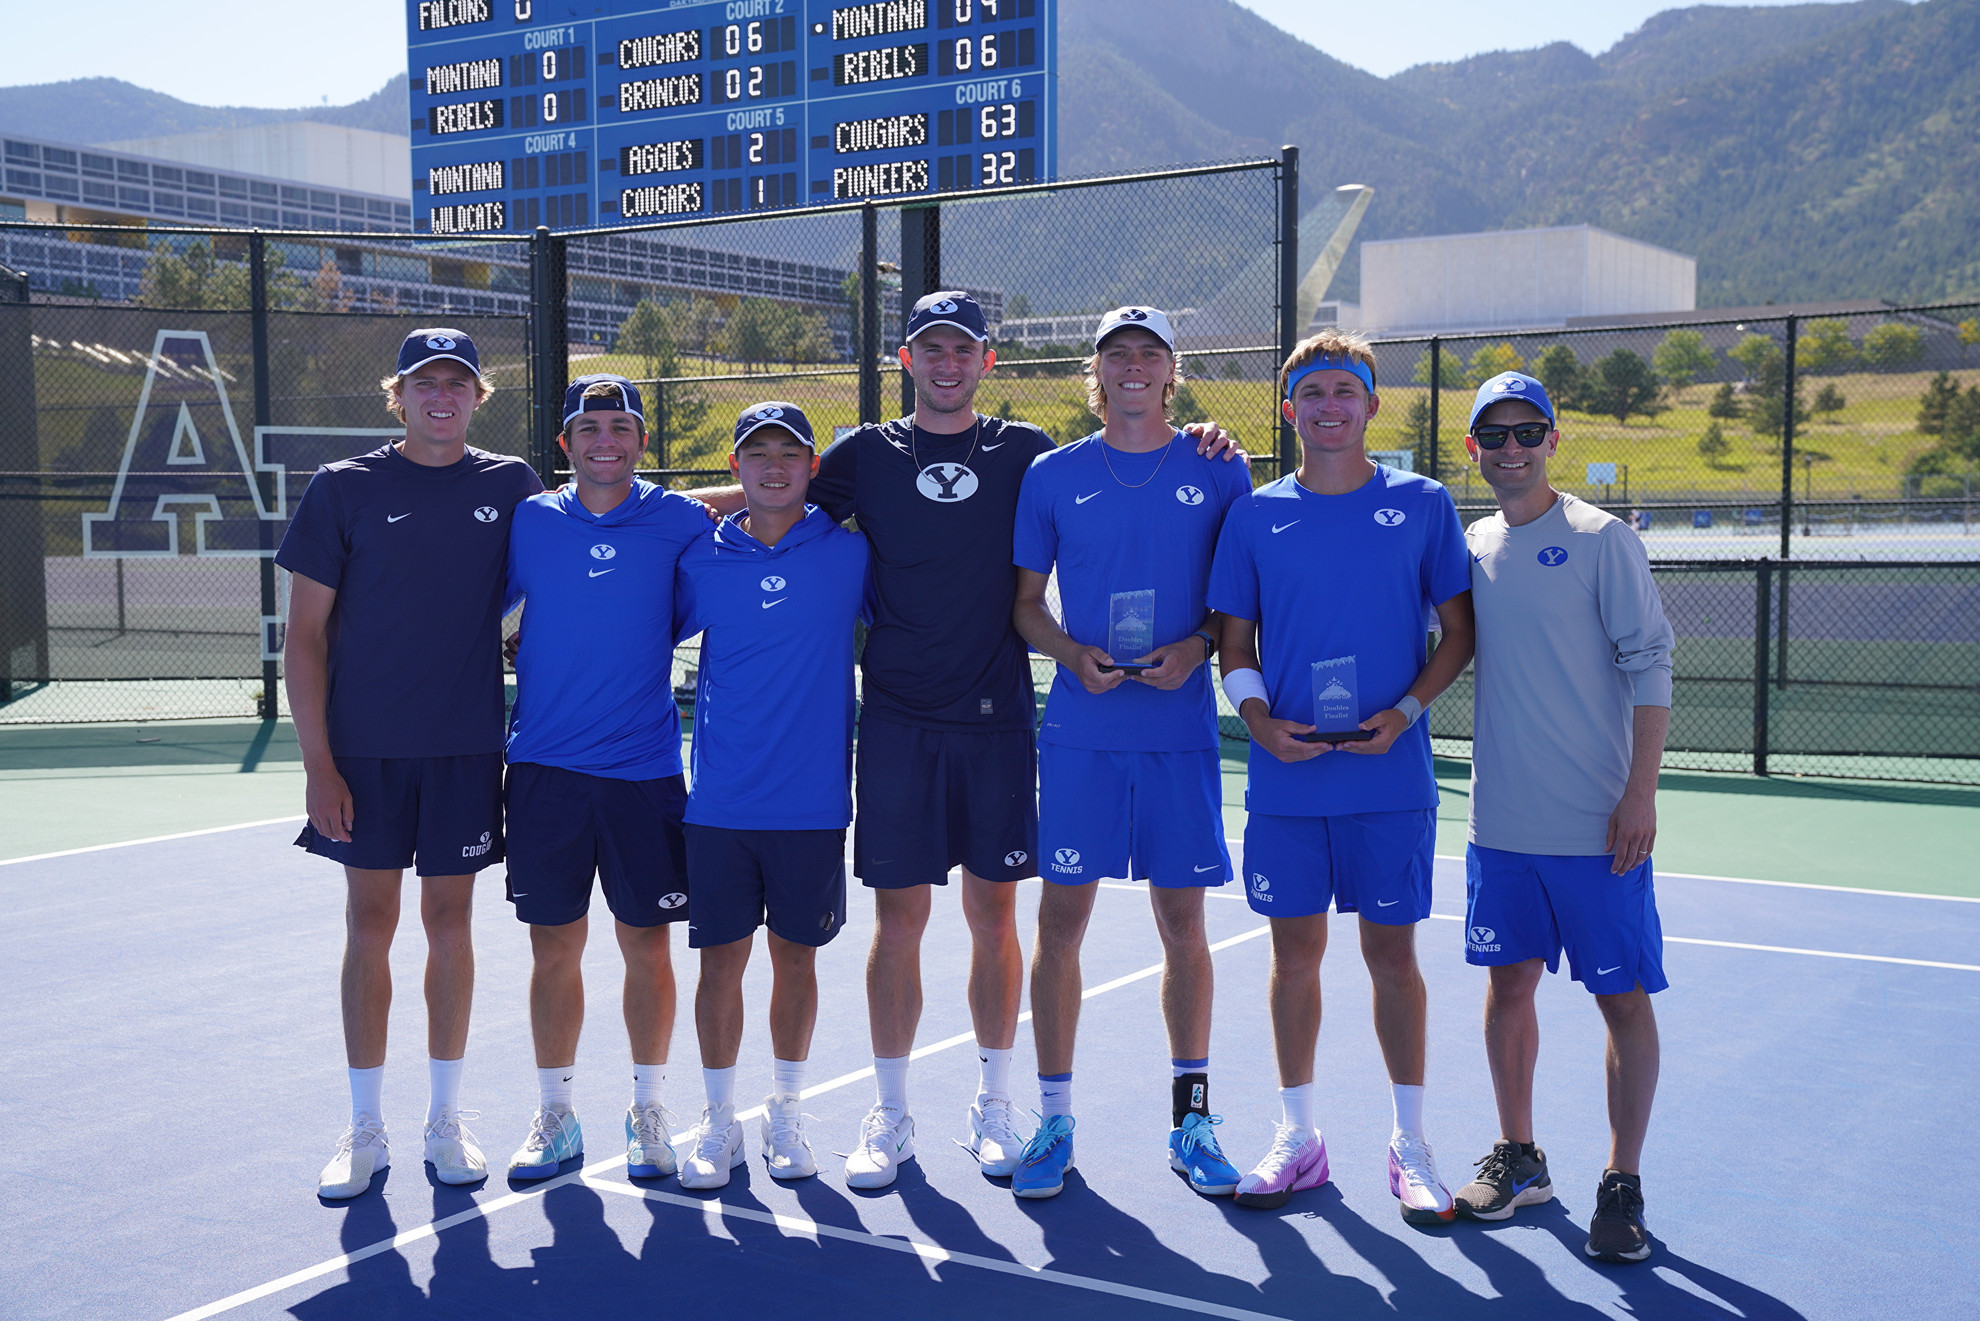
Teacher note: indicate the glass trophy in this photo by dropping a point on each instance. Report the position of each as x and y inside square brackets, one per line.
[1130, 628]
[1336, 703]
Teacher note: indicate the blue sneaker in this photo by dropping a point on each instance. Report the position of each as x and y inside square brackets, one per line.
[1194, 1151]
[1042, 1165]
[554, 1137]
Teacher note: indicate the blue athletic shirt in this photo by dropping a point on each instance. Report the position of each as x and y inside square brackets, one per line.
[937, 512]
[1116, 522]
[594, 674]
[416, 556]
[1327, 576]
[773, 707]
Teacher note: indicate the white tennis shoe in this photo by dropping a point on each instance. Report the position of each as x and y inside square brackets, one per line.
[786, 1149]
[451, 1149]
[361, 1152]
[886, 1142]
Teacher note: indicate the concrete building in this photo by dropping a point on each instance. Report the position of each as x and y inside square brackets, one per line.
[321, 155]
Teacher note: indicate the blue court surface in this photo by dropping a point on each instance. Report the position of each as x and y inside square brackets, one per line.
[174, 1080]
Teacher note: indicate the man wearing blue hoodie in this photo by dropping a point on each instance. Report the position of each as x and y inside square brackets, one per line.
[776, 592]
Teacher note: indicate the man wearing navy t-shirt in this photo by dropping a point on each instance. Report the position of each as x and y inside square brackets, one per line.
[394, 671]
[1129, 783]
[595, 784]
[1328, 575]
[775, 593]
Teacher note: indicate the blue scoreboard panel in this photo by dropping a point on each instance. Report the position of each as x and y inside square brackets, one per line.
[529, 112]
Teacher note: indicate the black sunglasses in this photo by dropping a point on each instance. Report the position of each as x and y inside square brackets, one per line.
[1531, 435]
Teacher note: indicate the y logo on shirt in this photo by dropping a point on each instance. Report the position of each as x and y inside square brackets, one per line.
[1189, 495]
[1389, 517]
[1552, 556]
[487, 514]
[603, 552]
[772, 584]
[946, 482]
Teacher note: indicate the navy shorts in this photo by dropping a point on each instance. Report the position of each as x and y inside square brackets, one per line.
[440, 815]
[1373, 863]
[564, 826]
[1521, 906]
[1144, 816]
[933, 799]
[792, 881]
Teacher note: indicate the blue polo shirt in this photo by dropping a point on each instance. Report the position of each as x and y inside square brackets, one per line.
[1328, 576]
[594, 674]
[1111, 521]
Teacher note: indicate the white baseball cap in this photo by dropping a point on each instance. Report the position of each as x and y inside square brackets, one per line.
[1149, 319]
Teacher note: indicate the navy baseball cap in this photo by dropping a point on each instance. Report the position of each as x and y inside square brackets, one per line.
[1510, 385]
[950, 307]
[626, 400]
[424, 346]
[1145, 318]
[773, 413]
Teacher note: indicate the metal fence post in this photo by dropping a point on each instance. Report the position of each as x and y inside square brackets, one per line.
[24, 654]
[1435, 473]
[921, 271]
[869, 314]
[270, 706]
[1789, 407]
[548, 366]
[1763, 591]
[658, 433]
[1289, 327]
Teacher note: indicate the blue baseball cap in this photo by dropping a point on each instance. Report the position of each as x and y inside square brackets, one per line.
[626, 400]
[1510, 385]
[424, 346]
[773, 413]
[950, 307]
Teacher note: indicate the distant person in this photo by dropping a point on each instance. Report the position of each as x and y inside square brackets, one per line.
[775, 593]
[394, 671]
[1571, 706]
[595, 786]
[1129, 778]
[1326, 577]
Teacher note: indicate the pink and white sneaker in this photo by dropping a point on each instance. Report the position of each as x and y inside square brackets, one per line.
[1298, 1159]
[1414, 1183]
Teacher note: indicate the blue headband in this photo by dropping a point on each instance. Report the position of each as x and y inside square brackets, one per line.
[1325, 364]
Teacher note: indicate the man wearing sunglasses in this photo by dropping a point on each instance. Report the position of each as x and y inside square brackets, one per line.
[1571, 705]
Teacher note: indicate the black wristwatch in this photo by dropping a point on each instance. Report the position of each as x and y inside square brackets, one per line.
[1209, 644]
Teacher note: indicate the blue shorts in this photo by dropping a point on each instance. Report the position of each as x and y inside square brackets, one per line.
[933, 799]
[792, 881]
[1373, 863]
[1145, 816]
[1521, 906]
[564, 826]
[440, 815]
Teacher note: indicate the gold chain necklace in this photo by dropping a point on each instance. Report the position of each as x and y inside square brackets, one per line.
[1135, 486]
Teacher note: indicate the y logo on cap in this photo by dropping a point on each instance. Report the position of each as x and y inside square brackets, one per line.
[1552, 556]
[1511, 384]
[772, 584]
[943, 308]
[440, 342]
[1189, 495]
[603, 552]
[1133, 314]
[767, 414]
[1389, 517]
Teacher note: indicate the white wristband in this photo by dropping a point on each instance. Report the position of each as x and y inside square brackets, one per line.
[1411, 708]
[1240, 684]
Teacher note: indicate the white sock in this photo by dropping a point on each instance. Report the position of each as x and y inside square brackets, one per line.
[647, 1079]
[1055, 1094]
[553, 1086]
[366, 1084]
[444, 1076]
[786, 1076]
[891, 1076]
[1409, 1109]
[1296, 1106]
[993, 1075]
[720, 1084]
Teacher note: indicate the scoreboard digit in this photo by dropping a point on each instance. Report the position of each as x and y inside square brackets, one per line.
[525, 114]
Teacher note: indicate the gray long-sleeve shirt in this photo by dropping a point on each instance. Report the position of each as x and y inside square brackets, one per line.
[1571, 638]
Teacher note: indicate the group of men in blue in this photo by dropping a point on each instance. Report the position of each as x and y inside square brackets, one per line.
[1342, 599]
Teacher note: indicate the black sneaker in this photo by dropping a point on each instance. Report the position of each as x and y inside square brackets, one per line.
[1617, 1233]
[1507, 1180]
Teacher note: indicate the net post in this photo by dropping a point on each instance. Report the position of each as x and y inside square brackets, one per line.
[1289, 327]
[270, 706]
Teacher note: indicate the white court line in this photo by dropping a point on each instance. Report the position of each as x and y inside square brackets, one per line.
[927, 1251]
[154, 839]
[1786, 949]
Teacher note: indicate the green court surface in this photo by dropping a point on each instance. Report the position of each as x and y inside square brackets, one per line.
[77, 786]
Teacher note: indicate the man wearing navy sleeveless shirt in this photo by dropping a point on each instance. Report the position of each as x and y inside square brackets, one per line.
[1328, 575]
[775, 593]
[595, 782]
[1129, 783]
[394, 671]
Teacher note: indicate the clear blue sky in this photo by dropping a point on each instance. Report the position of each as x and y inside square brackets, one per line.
[301, 52]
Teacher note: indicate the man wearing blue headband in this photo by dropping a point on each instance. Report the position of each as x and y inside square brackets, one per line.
[1571, 705]
[1335, 568]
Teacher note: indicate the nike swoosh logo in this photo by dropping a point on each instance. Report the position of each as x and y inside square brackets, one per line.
[393, 518]
[599, 573]
[1387, 903]
[999, 445]
[779, 601]
[1212, 867]
[520, 894]
[1082, 499]
[1281, 527]
[1604, 972]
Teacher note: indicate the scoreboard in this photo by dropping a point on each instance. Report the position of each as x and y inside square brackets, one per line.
[529, 112]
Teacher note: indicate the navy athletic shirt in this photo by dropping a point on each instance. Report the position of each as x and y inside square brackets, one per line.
[773, 706]
[417, 557]
[938, 512]
[594, 675]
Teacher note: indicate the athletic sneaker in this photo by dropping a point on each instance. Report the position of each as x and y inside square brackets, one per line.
[715, 1146]
[1297, 1160]
[1042, 1165]
[451, 1150]
[1413, 1182]
[786, 1150]
[1617, 1233]
[1507, 1180]
[361, 1152]
[1194, 1151]
[886, 1142]
[648, 1153]
[554, 1137]
[993, 1139]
